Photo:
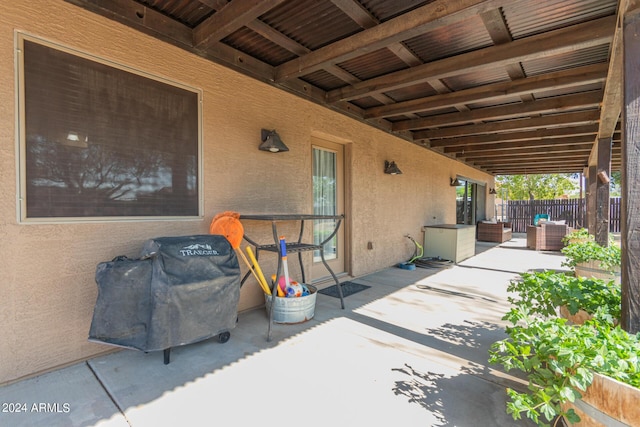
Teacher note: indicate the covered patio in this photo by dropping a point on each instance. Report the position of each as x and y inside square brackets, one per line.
[447, 91]
[410, 350]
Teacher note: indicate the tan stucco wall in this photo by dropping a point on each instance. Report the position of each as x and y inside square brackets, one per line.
[48, 291]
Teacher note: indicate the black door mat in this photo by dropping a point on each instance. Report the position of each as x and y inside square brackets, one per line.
[348, 288]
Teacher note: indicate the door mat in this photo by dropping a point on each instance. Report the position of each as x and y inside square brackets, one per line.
[348, 288]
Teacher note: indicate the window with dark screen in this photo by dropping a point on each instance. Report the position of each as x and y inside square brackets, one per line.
[102, 141]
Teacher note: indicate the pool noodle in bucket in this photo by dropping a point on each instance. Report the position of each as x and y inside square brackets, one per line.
[285, 265]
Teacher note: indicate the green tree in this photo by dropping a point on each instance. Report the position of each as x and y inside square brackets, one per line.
[615, 190]
[524, 187]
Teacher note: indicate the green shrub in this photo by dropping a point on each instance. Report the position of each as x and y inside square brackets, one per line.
[581, 247]
[542, 293]
[559, 360]
[580, 235]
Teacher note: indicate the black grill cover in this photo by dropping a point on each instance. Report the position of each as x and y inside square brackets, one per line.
[182, 290]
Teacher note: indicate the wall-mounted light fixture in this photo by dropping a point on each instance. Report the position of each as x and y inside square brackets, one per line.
[391, 168]
[271, 142]
[454, 182]
[492, 191]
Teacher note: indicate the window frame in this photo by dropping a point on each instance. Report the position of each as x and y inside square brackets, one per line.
[21, 140]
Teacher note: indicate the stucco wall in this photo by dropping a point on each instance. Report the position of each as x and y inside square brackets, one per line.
[48, 290]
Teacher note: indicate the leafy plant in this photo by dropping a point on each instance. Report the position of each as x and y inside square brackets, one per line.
[579, 235]
[581, 247]
[542, 293]
[560, 359]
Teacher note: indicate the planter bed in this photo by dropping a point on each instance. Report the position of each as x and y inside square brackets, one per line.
[607, 402]
[593, 269]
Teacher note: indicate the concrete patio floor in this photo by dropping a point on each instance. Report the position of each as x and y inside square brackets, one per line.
[409, 351]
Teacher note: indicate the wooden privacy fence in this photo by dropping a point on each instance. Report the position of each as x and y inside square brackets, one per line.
[521, 212]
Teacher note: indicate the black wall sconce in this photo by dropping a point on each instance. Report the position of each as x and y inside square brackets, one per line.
[391, 168]
[271, 142]
[492, 191]
[454, 182]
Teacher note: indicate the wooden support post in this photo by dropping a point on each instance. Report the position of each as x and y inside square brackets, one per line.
[630, 224]
[581, 220]
[592, 190]
[603, 154]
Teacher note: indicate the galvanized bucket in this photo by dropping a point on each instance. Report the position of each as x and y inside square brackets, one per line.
[293, 310]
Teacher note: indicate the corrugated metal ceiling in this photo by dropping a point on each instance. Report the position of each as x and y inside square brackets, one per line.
[528, 18]
[410, 67]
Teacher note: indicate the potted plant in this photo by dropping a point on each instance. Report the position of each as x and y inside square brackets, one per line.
[577, 236]
[590, 259]
[561, 360]
[564, 361]
[546, 293]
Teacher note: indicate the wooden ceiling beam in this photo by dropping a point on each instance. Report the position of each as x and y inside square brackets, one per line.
[293, 46]
[527, 151]
[141, 18]
[586, 130]
[517, 169]
[612, 99]
[573, 167]
[296, 86]
[520, 152]
[436, 14]
[275, 36]
[496, 27]
[555, 104]
[499, 32]
[492, 122]
[551, 43]
[557, 80]
[540, 163]
[525, 144]
[229, 18]
[550, 121]
[356, 12]
[148, 21]
[577, 154]
[364, 19]
[215, 4]
[576, 169]
[539, 160]
[543, 168]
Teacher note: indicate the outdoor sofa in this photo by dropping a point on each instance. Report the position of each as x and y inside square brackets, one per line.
[489, 231]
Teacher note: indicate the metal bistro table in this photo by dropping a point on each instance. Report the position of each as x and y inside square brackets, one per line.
[297, 246]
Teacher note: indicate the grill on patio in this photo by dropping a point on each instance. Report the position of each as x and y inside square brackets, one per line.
[182, 290]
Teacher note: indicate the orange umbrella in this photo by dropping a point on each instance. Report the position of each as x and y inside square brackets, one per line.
[228, 224]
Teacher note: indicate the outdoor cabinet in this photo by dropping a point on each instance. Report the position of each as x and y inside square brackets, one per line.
[454, 242]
